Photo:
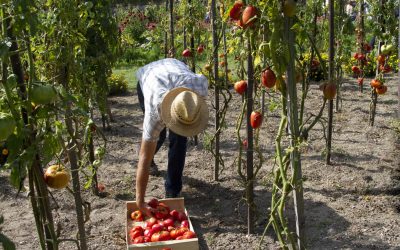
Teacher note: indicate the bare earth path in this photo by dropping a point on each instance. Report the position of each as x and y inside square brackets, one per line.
[352, 204]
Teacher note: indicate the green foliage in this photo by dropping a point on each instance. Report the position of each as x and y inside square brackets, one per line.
[316, 73]
[370, 67]
[117, 84]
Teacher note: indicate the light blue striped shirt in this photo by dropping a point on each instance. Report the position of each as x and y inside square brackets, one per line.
[156, 79]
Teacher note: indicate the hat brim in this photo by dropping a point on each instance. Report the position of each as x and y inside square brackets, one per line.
[176, 126]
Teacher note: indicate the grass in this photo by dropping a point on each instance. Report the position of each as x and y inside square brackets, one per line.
[129, 72]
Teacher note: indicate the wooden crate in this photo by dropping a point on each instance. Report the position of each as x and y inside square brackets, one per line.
[173, 203]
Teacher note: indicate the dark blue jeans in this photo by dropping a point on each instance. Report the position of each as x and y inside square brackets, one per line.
[176, 154]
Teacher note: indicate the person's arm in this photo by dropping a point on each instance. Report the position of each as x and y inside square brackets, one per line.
[146, 155]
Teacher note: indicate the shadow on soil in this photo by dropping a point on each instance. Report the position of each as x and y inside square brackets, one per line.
[222, 210]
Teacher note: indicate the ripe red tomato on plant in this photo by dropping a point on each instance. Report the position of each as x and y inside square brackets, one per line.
[236, 10]
[268, 78]
[187, 53]
[200, 49]
[248, 16]
[356, 69]
[240, 87]
[56, 177]
[381, 90]
[381, 59]
[255, 119]
[329, 91]
[375, 83]
[137, 215]
[162, 211]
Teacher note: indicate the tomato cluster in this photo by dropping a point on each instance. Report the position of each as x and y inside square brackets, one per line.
[164, 224]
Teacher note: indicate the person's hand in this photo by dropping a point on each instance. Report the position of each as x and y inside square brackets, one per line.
[146, 209]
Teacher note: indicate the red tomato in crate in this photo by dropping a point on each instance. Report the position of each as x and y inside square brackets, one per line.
[150, 222]
[185, 223]
[162, 211]
[189, 235]
[139, 240]
[137, 215]
[153, 203]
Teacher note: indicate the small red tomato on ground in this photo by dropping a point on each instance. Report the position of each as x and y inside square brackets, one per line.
[101, 187]
[137, 215]
[153, 203]
[268, 78]
[236, 10]
[166, 248]
[255, 119]
[240, 87]
[245, 143]
[187, 53]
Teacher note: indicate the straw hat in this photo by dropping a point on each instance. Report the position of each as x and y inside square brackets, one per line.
[184, 112]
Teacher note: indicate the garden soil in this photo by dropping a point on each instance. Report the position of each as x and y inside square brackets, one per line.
[354, 203]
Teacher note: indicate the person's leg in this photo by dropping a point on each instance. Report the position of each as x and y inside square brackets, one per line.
[176, 163]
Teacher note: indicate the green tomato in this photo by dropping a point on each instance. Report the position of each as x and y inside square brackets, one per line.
[7, 126]
[44, 94]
